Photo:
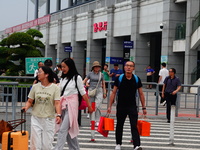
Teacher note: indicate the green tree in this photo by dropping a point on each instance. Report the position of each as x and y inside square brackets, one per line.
[4, 62]
[16, 47]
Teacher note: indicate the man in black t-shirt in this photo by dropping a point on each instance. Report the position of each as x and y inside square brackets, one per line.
[126, 105]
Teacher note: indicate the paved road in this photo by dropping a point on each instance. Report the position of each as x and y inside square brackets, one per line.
[187, 136]
[187, 130]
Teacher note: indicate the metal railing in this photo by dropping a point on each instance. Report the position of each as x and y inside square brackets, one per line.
[196, 22]
[180, 31]
[14, 95]
[195, 73]
[185, 100]
[8, 97]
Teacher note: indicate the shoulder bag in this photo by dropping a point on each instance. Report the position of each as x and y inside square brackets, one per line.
[92, 93]
[82, 103]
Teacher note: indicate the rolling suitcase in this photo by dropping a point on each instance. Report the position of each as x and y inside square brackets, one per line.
[15, 140]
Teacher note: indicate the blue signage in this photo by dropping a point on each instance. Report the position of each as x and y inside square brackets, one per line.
[128, 44]
[68, 49]
[118, 60]
[107, 59]
[87, 60]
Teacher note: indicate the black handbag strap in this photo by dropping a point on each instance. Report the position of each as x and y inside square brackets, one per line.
[23, 112]
[79, 94]
[10, 141]
[76, 76]
[64, 88]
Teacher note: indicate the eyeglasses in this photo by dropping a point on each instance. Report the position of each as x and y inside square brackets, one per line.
[129, 65]
[40, 72]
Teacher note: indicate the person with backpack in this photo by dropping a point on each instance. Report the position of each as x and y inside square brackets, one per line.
[127, 85]
[71, 84]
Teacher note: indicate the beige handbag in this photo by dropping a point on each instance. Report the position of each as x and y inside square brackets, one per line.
[92, 93]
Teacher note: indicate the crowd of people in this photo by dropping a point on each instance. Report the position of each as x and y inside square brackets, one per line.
[54, 98]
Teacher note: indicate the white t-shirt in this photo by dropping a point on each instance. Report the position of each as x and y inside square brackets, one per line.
[164, 73]
[44, 100]
[36, 72]
[71, 86]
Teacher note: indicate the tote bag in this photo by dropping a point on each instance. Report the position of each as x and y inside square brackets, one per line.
[101, 129]
[108, 124]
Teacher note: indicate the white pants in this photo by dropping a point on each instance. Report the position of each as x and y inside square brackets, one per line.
[63, 134]
[42, 133]
[98, 99]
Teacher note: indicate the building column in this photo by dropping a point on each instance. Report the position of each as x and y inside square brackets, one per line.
[94, 47]
[190, 55]
[172, 14]
[48, 7]
[70, 2]
[114, 46]
[140, 54]
[78, 49]
[60, 47]
[50, 50]
[36, 8]
[58, 5]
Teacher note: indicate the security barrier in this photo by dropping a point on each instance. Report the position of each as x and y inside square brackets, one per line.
[185, 100]
[14, 95]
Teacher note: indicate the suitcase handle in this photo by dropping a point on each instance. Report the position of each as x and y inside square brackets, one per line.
[23, 111]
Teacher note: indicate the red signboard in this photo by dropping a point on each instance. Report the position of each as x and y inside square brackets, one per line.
[26, 25]
[98, 27]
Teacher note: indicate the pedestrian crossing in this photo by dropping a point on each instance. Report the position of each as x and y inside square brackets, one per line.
[186, 137]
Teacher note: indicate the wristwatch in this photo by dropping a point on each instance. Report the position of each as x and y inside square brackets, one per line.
[58, 115]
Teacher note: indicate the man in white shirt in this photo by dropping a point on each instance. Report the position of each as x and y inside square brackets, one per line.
[40, 64]
[163, 73]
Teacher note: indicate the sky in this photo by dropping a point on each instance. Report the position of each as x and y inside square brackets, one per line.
[15, 12]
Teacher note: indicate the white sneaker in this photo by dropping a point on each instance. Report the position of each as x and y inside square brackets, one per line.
[118, 147]
[97, 124]
[88, 116]
[163, 103]
[138, 148]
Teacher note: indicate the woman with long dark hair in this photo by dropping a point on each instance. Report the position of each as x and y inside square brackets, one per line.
[69, 103]
[46, 95]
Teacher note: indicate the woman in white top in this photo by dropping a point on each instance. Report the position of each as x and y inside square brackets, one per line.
[69, 102]
[46, 95]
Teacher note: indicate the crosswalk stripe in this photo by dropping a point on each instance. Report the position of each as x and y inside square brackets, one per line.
[154, 132]
[105, 146]
[177, 142]
[186, 136]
